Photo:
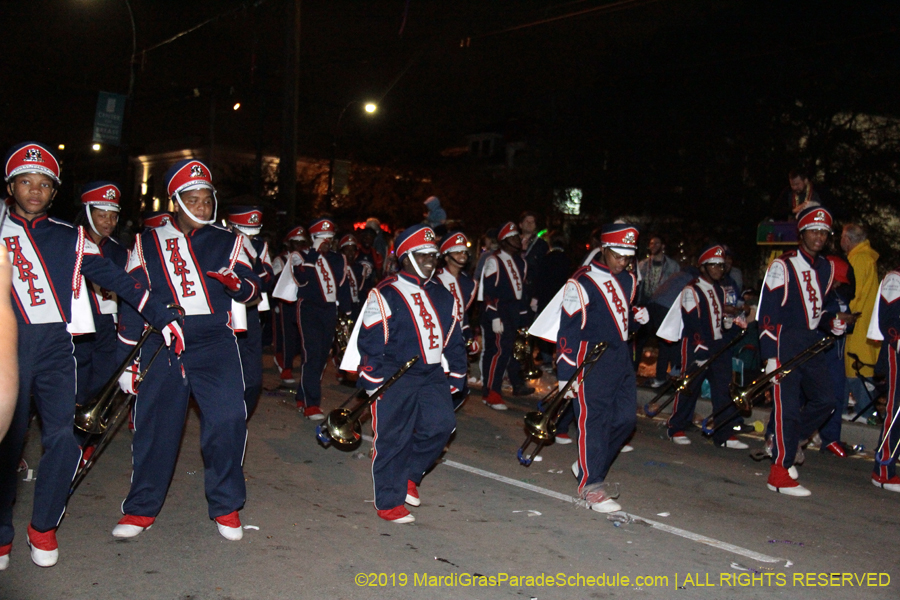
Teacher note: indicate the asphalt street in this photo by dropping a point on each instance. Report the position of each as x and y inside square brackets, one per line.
[697, 522]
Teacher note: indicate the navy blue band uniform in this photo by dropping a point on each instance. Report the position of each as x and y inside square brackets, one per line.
[597, 308]
[174, 266]
[795, 310]
[51, 299]
[885, 327]
[322, 291]
[502, 290]
[702, 310]
[404, 317]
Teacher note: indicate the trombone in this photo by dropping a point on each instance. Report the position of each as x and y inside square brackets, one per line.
[523, 354]
[742, 397]
[653, 408]
[102, 414]
[342, 425]
[541, 425]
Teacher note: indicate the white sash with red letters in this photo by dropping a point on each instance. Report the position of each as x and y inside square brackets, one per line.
[354, 286]
[428, 327]
[512, 271]
[327, 282]
[452, 284]
[616, 300]
[30, 283]
[715, 308]
[809, 289]
[184, 275]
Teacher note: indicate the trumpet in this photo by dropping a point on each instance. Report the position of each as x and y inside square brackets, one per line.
[522, 353]
[541, 425]
[653, 408]
[102, 415]
[342, 425]
[742, 397]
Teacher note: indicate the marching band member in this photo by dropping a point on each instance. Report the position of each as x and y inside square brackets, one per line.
[357, 272]
[796, 308]
[885, 328]
[202, 267]
[50, 259]
[96, 353]
[286, 335]
[246, 221]
[318, 279]
[410, 315]
[502, 290]
[705, 331]
[596, 307]
[455, 250]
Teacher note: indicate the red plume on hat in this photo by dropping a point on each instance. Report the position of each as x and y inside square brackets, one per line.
[415, 239]
[247, 219]
[509, 229]
[814, 217]
[620, 237]
[455, 242]
[321, 227]
[104, 195]
[31, 157]
[712, 254]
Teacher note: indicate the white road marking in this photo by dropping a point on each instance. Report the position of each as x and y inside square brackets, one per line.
[696, 537]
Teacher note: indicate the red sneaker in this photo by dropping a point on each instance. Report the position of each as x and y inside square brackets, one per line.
[4, 556]
[230, 526]
[495, 401]
[837, 449]
[398, 514]
[313, 413]
[412, 494]
[891, 485]
[44, 549]
[780, 481]
[130, 526]
[287, 376]
[86, 455]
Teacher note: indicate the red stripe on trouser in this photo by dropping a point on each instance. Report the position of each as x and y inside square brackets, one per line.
[374, 409]
[684, 366]
[889, 412]
[582, 421]
[779, 424]
[492, 370]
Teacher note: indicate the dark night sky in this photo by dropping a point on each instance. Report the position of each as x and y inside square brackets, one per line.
[68, 49]
[644, 90]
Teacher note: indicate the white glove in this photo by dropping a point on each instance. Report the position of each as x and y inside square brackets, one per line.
[838, 327]
[771, 365]
[534, 305]
[370, 393]
[296, 259]
[366, 270]
[128, 379]
[741, 321]
[700, 363]
[570, 393]
[174, 337]
[641, 315]
[497, 326]
[727, 322]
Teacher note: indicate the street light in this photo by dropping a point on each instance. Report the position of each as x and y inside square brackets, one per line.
[370, 108]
